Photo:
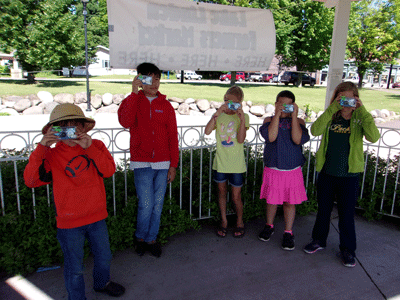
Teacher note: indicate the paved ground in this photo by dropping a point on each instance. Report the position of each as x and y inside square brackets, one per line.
[199, 265]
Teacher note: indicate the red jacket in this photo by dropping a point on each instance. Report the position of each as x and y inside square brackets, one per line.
[152, 126]
[77, 175]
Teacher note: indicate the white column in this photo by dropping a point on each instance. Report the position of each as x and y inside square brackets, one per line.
[338, 47]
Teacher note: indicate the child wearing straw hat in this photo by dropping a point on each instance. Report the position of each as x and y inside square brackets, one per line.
[76, 166]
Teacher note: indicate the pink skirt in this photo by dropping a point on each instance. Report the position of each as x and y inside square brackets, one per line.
[283, 186]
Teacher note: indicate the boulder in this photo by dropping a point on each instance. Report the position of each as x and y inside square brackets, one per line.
[33, 97]
[385, 113]
[107, 99]
[257, 110]
[111, 109]
[36, 102]
[392, 114]
[83, 106]
[379, 120]
[64, 98]
[8, 103]
[96, 101]
[210, 112]
[45, 97]
[203, 104]
[48, 107]
[374, 114]
[13, 98]
[22, 104]
[190, 100]
[80, 97]
[249, 103]
[183, 109]
[378, 113]
[193, 106]
[176, 99]
[270, 109]
[216, 105]
[117, 98]
[246, 109]
[10, 111]
[267, 115]
[34, 110]
[175, 105]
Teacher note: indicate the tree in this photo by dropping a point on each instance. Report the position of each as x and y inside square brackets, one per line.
[49, 34]
[373, 37]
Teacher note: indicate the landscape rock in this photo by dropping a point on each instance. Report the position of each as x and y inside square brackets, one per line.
[80, 97]
[13, 98]
[33, 97]
[83, 106]
[176, 99]
[203, 104]
[107, 99]
[210, 112]
[9, 104]
[10, 111]
[270, 109]
[175, 105]
[117, 98]
[64, 98]
[257, 110]
[22, 104]
[195, 113]
[45, 97]
[246, 109]
[48, 107]
[193, 106]
[216, 105]
[249, 103]
[374, 114]
[112, 108]
[190, 100]
[385, 113]
[34, 110]
[96, 101]
[379, 120]
[183, 109]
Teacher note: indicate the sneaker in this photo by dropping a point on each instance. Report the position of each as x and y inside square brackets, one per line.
[112, 289]
[155, 249]
[265, 235]
[140, 247]
[288, 241]
[312, 247]
[348, 259]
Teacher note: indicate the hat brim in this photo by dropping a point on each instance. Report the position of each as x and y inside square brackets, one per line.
[89, 123]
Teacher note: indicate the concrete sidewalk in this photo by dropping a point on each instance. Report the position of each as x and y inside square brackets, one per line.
[200, 265]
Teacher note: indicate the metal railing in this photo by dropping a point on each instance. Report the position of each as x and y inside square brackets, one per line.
[381, 163]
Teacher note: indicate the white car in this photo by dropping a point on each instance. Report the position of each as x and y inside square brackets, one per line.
[354, 79]
[256, 77]
[189, 75]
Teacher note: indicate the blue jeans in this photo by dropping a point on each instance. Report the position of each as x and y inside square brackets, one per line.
[72, 242]
[151, 185]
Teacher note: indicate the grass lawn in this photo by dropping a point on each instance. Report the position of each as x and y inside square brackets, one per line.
[314, 97]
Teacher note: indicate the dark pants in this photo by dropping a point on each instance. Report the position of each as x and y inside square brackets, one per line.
[345, 191]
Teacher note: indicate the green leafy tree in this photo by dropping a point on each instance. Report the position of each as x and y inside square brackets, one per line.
[373, 37]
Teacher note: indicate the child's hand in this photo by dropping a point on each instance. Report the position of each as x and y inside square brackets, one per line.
[222, 109]
[240, 114]
[83, 139]
[295, 110]
[171, 174]
[49, 138]
[278, 109]
[136, 84]
[359, 103]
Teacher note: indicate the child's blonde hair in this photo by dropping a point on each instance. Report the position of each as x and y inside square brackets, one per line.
[235, 91]
[343, 87]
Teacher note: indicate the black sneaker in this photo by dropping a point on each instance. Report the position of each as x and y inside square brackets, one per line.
[155, 249]
[265, 235]
[312, 247]
[348, 259]
[140, 247]
[112, 289]
[288, 241]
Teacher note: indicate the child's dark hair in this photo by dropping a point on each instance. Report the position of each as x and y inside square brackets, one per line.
[286, 94]
[235, 91]
[148, 69]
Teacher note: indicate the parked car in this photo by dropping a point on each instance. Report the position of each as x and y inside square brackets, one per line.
[256, 77]
[293, 77]
[240, 76]
[76, 71]
[276, 78]
[189, 75]
[396, 85]
[267, 77]
[355, 80]
[247, 76]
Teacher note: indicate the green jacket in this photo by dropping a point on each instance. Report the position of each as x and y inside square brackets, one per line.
[361, 124]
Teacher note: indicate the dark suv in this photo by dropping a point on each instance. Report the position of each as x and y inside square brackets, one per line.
[293, 77]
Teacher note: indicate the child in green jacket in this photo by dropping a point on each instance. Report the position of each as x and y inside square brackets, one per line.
[340, 159]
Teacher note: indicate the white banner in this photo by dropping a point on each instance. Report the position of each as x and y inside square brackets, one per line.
[188, 35]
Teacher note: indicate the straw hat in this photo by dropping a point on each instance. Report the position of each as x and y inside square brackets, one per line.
[68, 111]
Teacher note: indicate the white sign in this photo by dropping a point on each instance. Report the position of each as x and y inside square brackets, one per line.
[188, 35]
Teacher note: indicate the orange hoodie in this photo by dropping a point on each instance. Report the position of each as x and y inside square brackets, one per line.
[77, 175]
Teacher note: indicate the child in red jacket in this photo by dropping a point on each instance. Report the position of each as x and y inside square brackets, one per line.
[154, 151]
[76, 166]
